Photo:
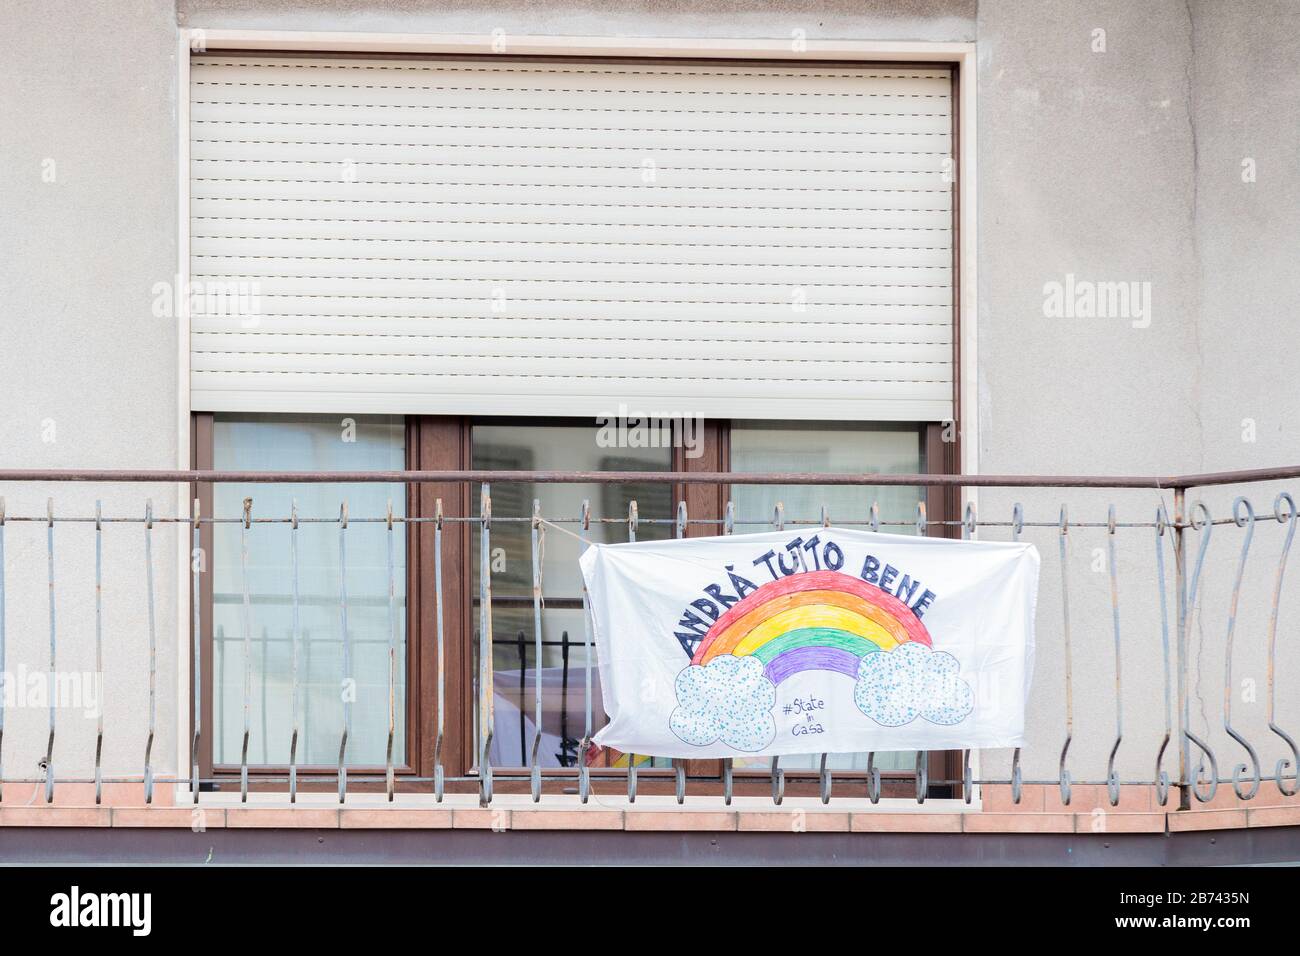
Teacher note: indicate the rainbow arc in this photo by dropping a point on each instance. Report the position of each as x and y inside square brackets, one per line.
[820, 620]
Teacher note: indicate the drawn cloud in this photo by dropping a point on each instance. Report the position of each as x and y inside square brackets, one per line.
[895, 687]
[728, 699]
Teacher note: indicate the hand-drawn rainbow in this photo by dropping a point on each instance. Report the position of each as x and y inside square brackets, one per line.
[818, 620]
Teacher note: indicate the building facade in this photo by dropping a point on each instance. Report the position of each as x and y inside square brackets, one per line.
[933, 239]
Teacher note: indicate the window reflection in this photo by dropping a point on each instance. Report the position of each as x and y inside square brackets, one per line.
[533, 447]
[316, 443]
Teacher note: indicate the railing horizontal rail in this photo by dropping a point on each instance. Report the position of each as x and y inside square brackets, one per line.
[1157, 482]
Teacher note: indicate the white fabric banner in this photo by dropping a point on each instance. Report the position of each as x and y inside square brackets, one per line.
[820, 640]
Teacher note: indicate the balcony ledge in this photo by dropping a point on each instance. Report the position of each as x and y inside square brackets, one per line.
[648, 814]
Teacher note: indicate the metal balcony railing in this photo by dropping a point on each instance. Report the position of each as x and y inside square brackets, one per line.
[1145, 558]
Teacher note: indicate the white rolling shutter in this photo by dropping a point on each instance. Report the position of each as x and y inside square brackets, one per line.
[486, 236]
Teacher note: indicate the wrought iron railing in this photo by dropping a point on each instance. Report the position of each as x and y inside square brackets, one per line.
[1163, 581]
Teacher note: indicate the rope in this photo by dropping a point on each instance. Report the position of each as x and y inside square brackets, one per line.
[563, 530]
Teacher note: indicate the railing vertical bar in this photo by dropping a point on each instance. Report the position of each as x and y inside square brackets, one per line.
[679, 527]
[1201, 521]
[4, 678]
[534, 759]
[153, 653]
[584, 772]
[389, 773]
[294, 636]
[49, 746]
[1161, 776]
[777, 774]
[826, 778]
[346, 689]
[969, 525]
[1017, 779]
[197, 561]
[678, 763]
[1180, 613]
[485, 688]
[247, 625]
[922, 756]
[99, 650]
[438, 773]
[1112, 775]
[728, 763]
[1063, 538]
[1283, 764]
[1243, 516]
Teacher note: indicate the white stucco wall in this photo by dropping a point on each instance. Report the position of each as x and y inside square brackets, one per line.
[88, 377]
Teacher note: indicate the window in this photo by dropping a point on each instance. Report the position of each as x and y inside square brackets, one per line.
[306, 443]
[299, 442]
[786, 249]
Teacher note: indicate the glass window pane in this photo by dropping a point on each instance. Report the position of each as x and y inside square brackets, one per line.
[519, 447]
[837, 449]
[302, 443]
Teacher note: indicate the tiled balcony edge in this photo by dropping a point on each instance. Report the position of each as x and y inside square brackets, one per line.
[770, 820]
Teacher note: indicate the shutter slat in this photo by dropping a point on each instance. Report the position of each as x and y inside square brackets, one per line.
[547, 348]
[497, 328]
